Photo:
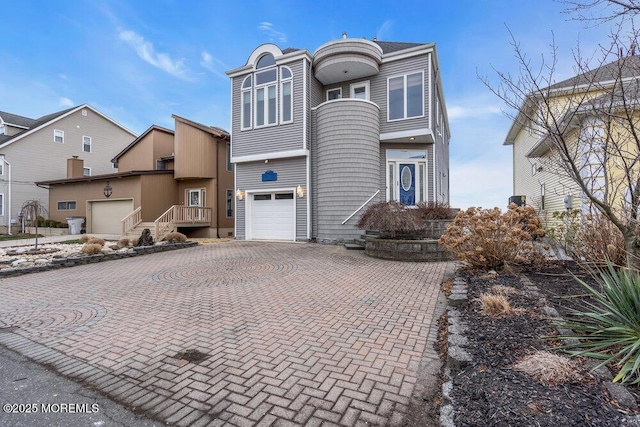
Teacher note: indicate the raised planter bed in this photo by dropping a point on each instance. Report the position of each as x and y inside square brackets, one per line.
[406, 250]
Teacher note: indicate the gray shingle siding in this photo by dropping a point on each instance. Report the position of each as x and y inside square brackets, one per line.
[269, 139]
[347, 158]
[291, 173]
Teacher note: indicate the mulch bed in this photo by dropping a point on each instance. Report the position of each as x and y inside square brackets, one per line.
[489, 392]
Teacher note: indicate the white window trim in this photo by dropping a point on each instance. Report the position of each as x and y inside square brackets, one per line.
[242, 92]
[266, 105]
[60, 133]
[84, 169]
[365, 84]
[281, 103]
[421, 72]
[1, 204]
[339, 89]
[90, 144]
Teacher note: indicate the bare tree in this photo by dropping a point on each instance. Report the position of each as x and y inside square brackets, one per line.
[587, 128]
[30, 211]
[599, 11]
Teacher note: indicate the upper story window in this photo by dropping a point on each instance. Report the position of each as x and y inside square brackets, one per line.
[334, 94]
[266, 95]
[229, 164]
[405, 96]
[359, 90]
[86, 144]
[1, 165]
[286, 100]
[58, 136]
[245, 112]
[86, 171]
[3, 128]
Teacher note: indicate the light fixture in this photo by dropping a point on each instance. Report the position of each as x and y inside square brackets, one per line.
[300, 192]
[108, 190]
[411, 138]
[240, 194]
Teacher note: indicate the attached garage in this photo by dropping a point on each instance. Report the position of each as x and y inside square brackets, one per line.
[105, 216]
[271, 215]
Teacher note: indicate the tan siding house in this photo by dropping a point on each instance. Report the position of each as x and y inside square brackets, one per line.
[36, 150]
[147, 189]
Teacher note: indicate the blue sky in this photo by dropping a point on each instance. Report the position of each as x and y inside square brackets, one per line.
[139, 61]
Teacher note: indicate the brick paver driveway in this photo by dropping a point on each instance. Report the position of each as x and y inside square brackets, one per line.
[287, 333]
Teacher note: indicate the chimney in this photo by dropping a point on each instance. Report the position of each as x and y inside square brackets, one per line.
[344, 34]
[75, 167]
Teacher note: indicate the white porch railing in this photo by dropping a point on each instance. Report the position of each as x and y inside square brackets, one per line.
[130, 221]
[360, 208]
[180, 215]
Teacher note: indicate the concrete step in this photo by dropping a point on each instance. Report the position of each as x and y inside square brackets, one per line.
[353, 246]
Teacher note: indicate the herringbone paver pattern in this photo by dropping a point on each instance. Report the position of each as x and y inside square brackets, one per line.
[294, 334]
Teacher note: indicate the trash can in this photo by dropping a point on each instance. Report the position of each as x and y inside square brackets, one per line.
[75, 224]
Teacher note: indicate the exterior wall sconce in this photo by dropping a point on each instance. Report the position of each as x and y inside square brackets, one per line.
[240, 194]
[300, 192]
[108, 190]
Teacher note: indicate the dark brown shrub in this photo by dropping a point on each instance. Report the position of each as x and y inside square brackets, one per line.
[435, 210]
[392, 218]
[91, 248]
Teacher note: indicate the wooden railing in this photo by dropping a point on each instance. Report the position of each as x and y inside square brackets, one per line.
[130, 221]
[180, 215]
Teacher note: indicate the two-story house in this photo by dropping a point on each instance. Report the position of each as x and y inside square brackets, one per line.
[37, 149]
[165, 180]
[317, 137]
[580, 130]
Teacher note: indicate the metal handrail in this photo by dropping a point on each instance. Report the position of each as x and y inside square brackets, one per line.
[358, 210]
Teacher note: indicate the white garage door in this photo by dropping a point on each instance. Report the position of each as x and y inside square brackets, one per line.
[106, 216]
[272, 216]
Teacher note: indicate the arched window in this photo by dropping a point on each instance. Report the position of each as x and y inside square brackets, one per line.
[259, 95]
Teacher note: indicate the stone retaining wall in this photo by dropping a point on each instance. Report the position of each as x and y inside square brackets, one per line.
[406, 250]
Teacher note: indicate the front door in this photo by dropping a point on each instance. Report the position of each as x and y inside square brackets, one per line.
[407, 190]
[195, 198]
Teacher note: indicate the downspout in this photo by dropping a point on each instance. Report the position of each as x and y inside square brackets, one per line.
[217, 189]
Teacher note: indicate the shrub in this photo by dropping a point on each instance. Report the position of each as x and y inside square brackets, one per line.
[91, 248]
[598, 241]
[96, 240]
[609, 327]
[123, 242]
[435, 210]
[494, 305]
[548, 368]
[175, 236]
[85, 238]
[564, 228]
[391, 218]
[488, 238]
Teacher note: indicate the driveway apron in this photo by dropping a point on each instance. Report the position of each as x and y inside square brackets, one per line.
[240, 333]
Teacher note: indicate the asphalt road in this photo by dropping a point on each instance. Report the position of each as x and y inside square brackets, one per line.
[32, 395]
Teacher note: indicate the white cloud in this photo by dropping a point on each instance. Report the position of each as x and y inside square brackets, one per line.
[145, 50]
[211, 64]
[267, 28]
[382, 32]
[66, 102]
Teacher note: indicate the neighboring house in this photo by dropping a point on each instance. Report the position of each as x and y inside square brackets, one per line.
[318, 137]
[180, 179]
[37, 149]
[593, 114]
